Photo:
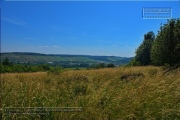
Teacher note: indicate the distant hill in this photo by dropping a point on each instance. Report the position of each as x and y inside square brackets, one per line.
[62, 59]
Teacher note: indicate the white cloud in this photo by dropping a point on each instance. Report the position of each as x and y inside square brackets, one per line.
[14, 20]
[54, 46]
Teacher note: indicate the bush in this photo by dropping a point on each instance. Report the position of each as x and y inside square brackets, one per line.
[110, 65]
[56, 70]
[133, 62]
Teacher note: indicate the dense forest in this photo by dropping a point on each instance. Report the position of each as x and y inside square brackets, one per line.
[162, 49]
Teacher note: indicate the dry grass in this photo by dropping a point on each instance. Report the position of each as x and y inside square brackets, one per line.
[112, 93]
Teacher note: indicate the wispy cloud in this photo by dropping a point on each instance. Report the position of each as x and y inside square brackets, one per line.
[55, 46]
[14, 20]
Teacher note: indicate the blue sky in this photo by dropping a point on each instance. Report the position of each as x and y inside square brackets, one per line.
[81, 28]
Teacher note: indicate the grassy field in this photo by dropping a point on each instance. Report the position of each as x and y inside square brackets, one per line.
[111, 93]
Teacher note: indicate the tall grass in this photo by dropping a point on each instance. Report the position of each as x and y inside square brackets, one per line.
[111, 93]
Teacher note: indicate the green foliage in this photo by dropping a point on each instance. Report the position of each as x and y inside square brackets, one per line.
[103, 65]
[166, 47]
[164, 50]
[133, 62]
[143, 51]
[56, 70]
[7, 67]
[66, 61]
[98, 66]
[43, 67]
[6, 62]
[110, 65]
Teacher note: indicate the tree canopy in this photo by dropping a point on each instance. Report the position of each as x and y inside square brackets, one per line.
[166, 47]
[162, 49]
[143, 51]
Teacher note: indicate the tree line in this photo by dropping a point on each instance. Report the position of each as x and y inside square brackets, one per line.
[6, 66]
[162, 49]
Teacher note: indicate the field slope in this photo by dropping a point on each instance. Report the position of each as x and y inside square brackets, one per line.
[112, 93]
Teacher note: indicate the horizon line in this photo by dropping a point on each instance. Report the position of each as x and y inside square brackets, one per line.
[65, 54]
